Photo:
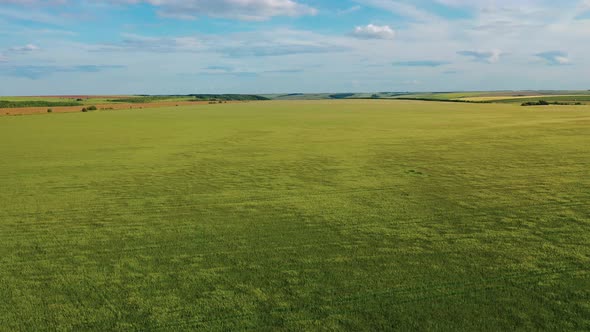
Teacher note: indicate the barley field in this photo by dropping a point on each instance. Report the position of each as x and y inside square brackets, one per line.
[297, 215]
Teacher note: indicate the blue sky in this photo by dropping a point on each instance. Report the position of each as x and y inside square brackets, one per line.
[279, 46]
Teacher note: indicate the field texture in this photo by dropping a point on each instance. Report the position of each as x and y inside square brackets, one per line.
[67, 104]
[308, 215]
[515, 97]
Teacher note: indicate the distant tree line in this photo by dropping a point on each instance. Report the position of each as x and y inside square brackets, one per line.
[546, 103]
[226, 97]
[140, 99]
[36, 103]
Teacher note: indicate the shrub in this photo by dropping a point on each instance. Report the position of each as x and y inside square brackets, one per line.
[538, 103]
[341, 95]
[84, 109]
[92, 108]
[49, 110]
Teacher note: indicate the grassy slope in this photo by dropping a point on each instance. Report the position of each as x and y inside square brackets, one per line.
[357, 215]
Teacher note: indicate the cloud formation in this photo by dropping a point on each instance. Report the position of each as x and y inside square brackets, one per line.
[556, 58]
[404, 8]
[420, 63]
[38, 72]
[24, 49]
[33, 2]
[372, 31]
[263, 40]
[492, 56]
[281, 42]
[247, 10]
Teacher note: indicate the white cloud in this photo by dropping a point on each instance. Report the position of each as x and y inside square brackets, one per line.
[372, 31]
[349, 10]
[34, 2]
[248, 10]
[492, 56]
[279, 42]
[24, 49]
[583, 8]
[562, 60]
[483, 31]
[555, 57]
[29, 14]
[406, 9]
[135, 43]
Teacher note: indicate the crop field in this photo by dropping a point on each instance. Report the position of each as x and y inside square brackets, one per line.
[504, 98]
[297, 215]
[513, 97]
[564, 99]
[83, 100]
[66, 104]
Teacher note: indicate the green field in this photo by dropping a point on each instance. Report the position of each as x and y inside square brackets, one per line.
[562, 99]
[56, 101]
[513, 97]
[297, 215]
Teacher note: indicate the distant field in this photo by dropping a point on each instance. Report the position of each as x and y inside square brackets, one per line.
[505, 97]
[85, 100]
[60, 101]
[500, 98]
[68, 104]
[482, 96]
[142, 101]
[568, 99]
[444, 95]
[359, 215]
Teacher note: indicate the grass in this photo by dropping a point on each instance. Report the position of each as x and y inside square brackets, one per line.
[311, 215]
